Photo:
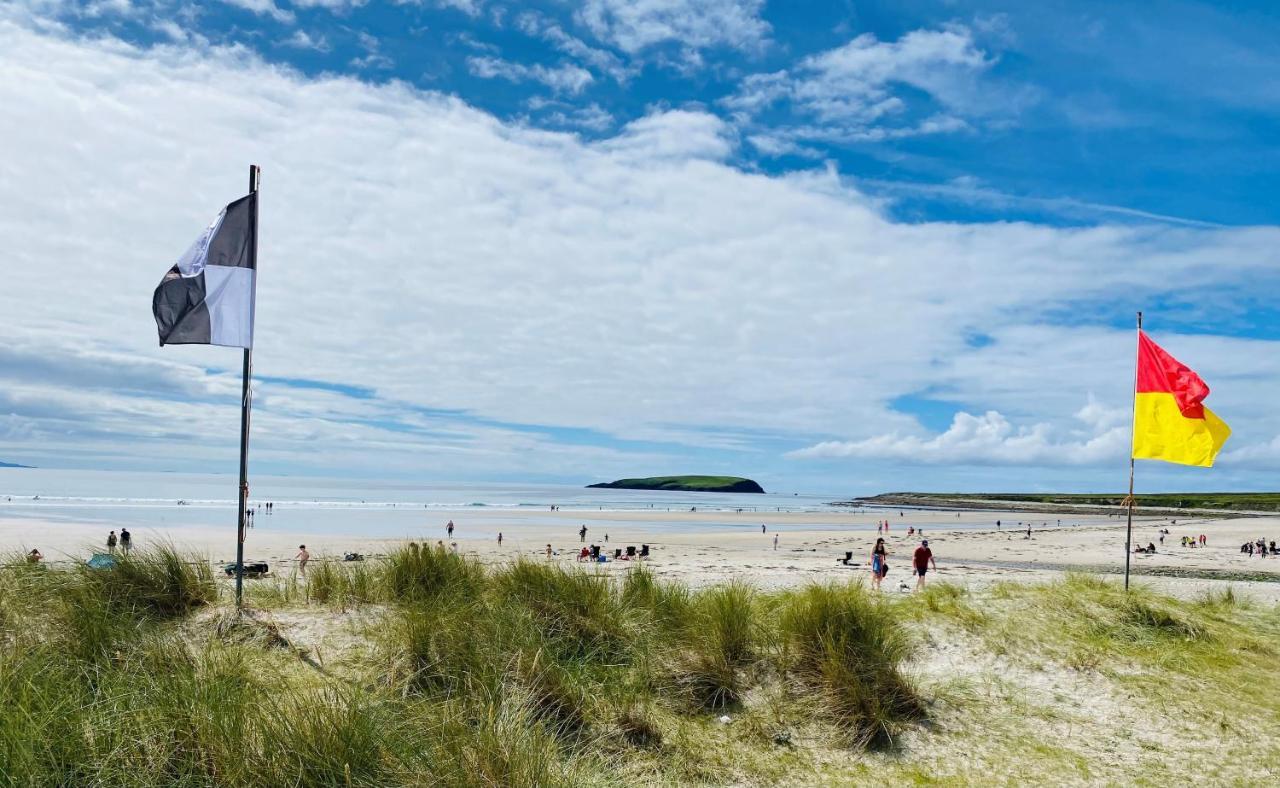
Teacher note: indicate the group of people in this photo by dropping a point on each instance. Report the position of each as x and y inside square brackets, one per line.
[1260, 548]
[592, 553]
[1192, 541]
[124, 541]
[921, 561]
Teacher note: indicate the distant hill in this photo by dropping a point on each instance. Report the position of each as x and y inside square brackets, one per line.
[725, 484]
[12, 465]
[1210, 501]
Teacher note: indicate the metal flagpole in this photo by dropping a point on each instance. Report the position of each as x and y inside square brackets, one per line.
[1128, 534]
[246, 402]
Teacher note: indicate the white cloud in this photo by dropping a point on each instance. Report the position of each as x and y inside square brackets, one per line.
[675, 134]
[566, 78]
[372, 57]
[634, 25]
[640, 286]
[926, 82]
[471, 8]
[592, 117]
[533, 24]
[336, 6]
[988, 439]
[301, 39]
[264, 8]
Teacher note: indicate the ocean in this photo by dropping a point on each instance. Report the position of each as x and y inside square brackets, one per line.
[318, 505]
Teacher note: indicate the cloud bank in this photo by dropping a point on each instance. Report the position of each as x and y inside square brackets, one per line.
[530, 301]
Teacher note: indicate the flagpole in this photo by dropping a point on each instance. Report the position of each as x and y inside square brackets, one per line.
[246, 402]
[1128, 534]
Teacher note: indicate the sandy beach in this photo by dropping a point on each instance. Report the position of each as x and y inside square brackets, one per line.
[706, 547]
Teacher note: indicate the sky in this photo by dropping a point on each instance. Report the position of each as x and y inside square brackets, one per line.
[844, 247]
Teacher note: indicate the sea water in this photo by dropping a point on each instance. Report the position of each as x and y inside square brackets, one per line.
[368, 506]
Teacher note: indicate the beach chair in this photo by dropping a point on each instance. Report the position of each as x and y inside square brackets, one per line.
[644, 551]
[617, 554]
[631, 551]
[848, 557]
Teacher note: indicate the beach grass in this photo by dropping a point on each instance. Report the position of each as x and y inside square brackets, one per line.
[445, 672]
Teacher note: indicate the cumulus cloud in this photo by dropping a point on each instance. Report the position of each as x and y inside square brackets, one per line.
[634, 25]
[987, 439]
[492, 285]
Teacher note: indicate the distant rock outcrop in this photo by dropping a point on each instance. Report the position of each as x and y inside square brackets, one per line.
[724, 484]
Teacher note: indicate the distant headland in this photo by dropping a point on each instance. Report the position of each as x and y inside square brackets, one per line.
[724, 484]
[12, 465]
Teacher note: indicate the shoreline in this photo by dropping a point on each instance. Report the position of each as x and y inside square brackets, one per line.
[706, 548]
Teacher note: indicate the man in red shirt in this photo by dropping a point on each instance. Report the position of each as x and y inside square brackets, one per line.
[920, 562]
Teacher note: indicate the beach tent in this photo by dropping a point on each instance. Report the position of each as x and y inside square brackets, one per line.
[101, 561]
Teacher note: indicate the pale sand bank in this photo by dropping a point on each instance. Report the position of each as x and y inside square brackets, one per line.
[708, 547]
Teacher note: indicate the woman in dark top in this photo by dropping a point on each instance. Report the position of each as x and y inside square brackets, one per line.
[879, 565]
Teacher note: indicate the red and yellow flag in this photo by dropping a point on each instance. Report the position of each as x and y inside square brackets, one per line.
[1170, 421]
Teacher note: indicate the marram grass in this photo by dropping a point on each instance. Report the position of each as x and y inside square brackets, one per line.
[533, 675]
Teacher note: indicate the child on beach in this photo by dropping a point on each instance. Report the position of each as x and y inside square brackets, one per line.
[302, 558]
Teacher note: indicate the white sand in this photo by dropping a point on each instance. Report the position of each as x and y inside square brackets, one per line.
[697, 548]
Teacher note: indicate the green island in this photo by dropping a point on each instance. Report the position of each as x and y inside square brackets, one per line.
[1210, 501]
[423, 667]
[724, 484]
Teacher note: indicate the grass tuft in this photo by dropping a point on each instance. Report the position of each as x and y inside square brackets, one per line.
[848, 648]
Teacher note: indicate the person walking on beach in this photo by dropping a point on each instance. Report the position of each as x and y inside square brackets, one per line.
[582, 533]
[302, 558]
[921, 560]
[764, 529]
[879, 563]
[548, 552]
[126, 540]
[499, 539]
[448, 528]
[111, 543]
[775, 541]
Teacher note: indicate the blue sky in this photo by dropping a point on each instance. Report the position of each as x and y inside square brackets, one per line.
[838, 245]
[1072, 112]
